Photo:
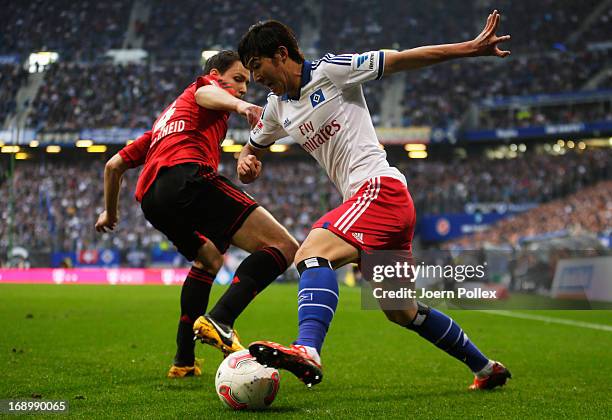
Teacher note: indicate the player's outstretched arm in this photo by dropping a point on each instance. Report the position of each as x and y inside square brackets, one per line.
[219, 99]
[249, 164]
[485, 44]
[113, 172]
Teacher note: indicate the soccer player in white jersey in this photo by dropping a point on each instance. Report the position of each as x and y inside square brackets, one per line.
[321, 106]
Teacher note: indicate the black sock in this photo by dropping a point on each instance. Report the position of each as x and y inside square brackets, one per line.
[253, 275]
[194, 300]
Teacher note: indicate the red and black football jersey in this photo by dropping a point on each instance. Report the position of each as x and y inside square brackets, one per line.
[184, 132]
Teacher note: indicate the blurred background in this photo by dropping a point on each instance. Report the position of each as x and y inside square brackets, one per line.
[506, 155]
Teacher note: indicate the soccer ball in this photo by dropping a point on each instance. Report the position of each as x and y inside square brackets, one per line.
[242, 383]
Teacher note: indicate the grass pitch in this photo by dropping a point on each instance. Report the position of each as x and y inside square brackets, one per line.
[106, 349]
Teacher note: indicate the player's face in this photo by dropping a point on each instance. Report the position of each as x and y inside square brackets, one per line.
[268, 72]
[237, 76]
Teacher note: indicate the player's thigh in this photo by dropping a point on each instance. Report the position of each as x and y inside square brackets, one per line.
[325, 244]
[208, 258]
[260, 230]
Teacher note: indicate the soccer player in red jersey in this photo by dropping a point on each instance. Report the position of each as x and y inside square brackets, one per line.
[199, 210]
[321, 106]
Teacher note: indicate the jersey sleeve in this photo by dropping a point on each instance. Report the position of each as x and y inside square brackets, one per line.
[268, 128]
[346, 70]
[135, 153]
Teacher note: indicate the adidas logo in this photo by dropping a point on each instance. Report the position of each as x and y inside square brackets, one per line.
[361, 59]
[358, 236]
[286, 123]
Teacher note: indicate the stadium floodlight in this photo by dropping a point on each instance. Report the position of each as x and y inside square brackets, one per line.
[84, 143]
[415, 147]
[53, 149]
[522, 147]
[582, 145]
[38, 61]
[34, 143]
[96, 148]
[570, 144]
[228, 142]
[234, 148]
[513, 147]
[10, 149]
[561, 143]
[21, 156]
[417, 154]
[279, 148]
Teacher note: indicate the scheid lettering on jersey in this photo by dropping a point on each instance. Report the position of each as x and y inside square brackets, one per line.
[316, 138]
[162, 128]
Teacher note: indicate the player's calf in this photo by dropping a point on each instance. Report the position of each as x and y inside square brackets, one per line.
[447, 335]
[271, 247]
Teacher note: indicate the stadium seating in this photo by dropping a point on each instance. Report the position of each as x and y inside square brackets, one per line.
[12, 77]
[79, 30]
[588, 211]
[59, 201]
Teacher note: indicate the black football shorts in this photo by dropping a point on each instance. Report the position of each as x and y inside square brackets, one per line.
[190, 204]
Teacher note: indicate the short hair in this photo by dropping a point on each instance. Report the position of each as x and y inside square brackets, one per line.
[263, 40]
[221, 61]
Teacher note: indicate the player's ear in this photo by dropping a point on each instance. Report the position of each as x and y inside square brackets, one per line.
[214, 72]
[283, 53]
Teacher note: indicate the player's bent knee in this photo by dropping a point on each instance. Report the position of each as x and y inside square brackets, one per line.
[211, 264]
[284, 242]
[402, 317]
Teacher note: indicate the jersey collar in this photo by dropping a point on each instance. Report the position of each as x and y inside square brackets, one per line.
[305, 79]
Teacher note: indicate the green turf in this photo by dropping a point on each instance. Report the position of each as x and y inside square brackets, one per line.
[106, 350]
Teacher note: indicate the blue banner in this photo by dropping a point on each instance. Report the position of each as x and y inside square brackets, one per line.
[449, 226]
[89, 258]
[546, 99]
[553, 130]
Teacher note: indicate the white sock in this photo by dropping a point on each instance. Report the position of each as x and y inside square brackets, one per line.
[485, 371]
[312, 352]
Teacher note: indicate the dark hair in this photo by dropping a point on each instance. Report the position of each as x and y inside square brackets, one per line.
[263, 40]
[221, 61]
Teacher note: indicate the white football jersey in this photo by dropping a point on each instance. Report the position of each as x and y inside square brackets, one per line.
[330, 120]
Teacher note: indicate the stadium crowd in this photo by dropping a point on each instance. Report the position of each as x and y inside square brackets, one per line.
[219, 24]
[12, 77]
[56, 203]
[79, 30]
[441, 95]
[525, 116]
[588, 211]
[76, 95]
[53, 206]
[103, 95]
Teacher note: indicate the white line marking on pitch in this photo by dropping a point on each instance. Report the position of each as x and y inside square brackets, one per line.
[572, 322]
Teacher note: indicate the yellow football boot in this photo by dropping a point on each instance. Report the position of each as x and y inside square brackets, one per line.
[221, 336]
[184, 371]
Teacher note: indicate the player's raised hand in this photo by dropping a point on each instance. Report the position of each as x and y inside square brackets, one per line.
[249, 169]
[105, 222]
[251, 112]
[487, 43]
